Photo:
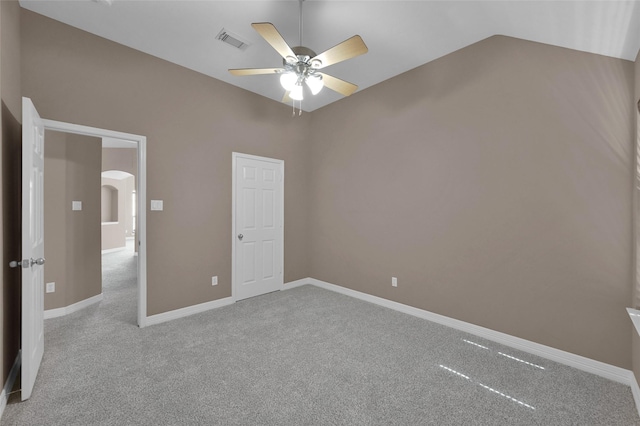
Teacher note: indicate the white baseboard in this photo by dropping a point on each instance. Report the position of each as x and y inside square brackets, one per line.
[59, 312]
[189, 310]
[196, 309]
[297, 283]
[602, 369]
[11, 379]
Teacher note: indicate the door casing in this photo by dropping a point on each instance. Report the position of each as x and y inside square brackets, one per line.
[141, 197]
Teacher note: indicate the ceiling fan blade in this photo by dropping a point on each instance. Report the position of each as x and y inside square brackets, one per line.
[343, 87]
[348, 49]
[273, 37]
[255, 71]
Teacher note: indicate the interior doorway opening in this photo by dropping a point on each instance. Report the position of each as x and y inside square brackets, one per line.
[137, 237]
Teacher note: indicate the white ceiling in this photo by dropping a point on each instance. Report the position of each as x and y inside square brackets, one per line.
[401, 35]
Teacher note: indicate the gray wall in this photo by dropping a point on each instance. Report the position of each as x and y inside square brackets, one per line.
[124, 159]
[72, 238]
[10, 176]
[495, 183]
[55, 217]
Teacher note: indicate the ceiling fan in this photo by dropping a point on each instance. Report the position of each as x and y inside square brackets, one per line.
[302, 65]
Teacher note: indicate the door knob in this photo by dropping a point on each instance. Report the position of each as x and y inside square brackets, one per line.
[16, 263]
[240, 237]
[38, 261]
[27, 263]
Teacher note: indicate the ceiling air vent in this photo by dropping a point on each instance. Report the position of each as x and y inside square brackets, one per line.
[232, 40]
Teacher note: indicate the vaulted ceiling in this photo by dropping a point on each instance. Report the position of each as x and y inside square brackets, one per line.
[400, 35]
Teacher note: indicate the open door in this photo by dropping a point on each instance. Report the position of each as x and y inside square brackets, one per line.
[32, 245]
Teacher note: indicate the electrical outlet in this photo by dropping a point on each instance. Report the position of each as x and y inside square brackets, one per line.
[394, 282]
[51, 287]
[214, 280]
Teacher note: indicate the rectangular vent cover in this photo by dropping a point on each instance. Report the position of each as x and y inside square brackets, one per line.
[232, 40]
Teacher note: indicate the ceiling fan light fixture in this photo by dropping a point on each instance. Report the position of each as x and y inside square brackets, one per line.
[315, 83]
[291, 60]
[288, 81]
[296, 93]
[315, 63]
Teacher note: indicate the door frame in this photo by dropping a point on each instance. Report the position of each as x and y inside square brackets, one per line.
[234, 159]
[141, 197]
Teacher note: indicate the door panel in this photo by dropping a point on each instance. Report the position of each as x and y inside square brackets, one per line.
[32, 246]
[250, 206]
[268, 209]
[268, 261]
[258, 226]
[249, 260]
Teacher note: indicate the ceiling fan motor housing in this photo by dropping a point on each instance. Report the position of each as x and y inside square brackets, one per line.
[302, 65]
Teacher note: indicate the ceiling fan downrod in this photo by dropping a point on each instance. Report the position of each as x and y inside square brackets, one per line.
[300, 26]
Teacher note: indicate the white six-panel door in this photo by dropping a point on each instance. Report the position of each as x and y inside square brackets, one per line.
[258, 189]
[32, 245]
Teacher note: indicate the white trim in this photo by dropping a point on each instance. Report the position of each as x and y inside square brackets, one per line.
[189, 310]
[113, 250]
[141, 231]
[141, 197]
[296, 283]
[60, 312]
[635, 390]
[234, 158]
[634, 314]
[635, 318]
[11, 379]
[592, 366]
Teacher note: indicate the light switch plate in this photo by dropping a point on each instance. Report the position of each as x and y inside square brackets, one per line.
[51, 287]
[157, 205]
[76, 205]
